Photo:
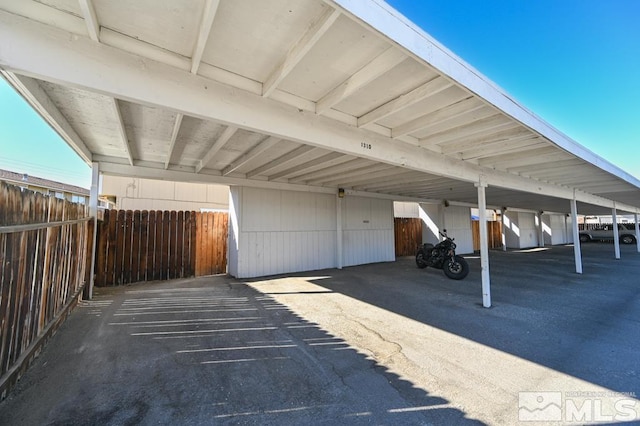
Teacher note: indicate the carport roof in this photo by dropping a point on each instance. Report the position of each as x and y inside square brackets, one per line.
[297, 94]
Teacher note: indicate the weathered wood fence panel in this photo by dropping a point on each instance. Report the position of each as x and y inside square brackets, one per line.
[159, 245]
[211, 247]
[494, 234]
[408, 235]
[43, 268]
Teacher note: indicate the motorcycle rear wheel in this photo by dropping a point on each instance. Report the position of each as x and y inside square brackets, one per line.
[420, 260]
[456, 268]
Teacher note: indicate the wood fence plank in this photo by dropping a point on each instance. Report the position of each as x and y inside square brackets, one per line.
[164, 272]
[119, 249]
[135, 247]
[157, 255]
[193, 243]
[172, 253]
[101, 249]
[179, 254]
[144, 247]
[127, 249]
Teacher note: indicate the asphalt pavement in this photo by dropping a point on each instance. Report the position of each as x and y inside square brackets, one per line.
[384, 343]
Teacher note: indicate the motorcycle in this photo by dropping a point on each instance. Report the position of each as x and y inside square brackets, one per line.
[443, 256]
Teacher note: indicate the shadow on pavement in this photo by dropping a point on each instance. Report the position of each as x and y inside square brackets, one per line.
[209, 351]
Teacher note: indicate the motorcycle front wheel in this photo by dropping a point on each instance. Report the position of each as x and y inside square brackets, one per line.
[420, 260]
[456, 268]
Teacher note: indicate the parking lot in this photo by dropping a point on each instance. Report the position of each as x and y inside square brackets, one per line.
[376, 344]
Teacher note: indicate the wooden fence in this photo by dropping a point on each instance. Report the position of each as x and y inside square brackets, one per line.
[408, 235]
[44, 264]
[145, 245]
[494, 234]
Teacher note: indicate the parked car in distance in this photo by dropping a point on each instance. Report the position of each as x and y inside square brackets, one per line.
[626, 233]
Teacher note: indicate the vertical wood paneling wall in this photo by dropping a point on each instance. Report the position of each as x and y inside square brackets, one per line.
[42, 272]
[145, 245]
[494, 234]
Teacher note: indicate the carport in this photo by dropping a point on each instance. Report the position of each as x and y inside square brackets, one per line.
[318, 113]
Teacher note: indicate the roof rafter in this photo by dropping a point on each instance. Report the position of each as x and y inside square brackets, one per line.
[122, 130]
[430, 88]
[448, 113]
[333, 170]
[282, 160]
[216, 146]
[208, 15]
[374, 69]
[172, 143]
[299, 49]
[346, 178]
[91, 19]
[263, 146]
[326, 160]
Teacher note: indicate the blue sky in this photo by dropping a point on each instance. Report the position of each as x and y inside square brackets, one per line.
[575, 63]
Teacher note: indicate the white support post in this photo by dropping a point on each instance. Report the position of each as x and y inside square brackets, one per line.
[576, 236]
[93, 212]
[484, 245]
[503, 232]
[637, 226]
[339, 232]
[616, 234]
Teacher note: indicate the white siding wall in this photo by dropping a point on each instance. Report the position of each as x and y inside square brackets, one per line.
[367, 231]
[276, 231]
[148, 194]
[431, 215]
[520, 229]
[556, 229]
[455, 219]
[457, 222]
[405, 209]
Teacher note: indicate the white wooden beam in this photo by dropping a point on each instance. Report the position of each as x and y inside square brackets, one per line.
[577, 253]
[122, 130]
[374, 69]
[174, 137]
[616, 233]
[299, 49]
[93, 212]
[208, 15]
[31, 91]
[450, 112]
[287, 158]
[52, 54]
[216, 146]
[486, 127]
[91, 19]
[430, 88]
[326, 160]
[321, 175]
[484, 245]
[637, 229]
[508, 146]
[345, 179]
[263, 146]
[356, 177]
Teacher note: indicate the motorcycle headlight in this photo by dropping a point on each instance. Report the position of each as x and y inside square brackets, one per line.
[453, 246]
